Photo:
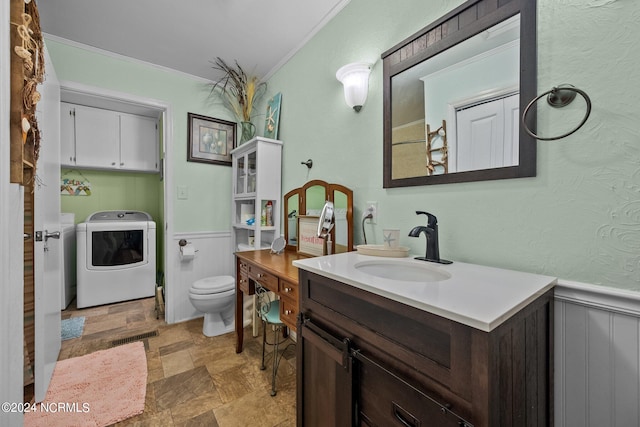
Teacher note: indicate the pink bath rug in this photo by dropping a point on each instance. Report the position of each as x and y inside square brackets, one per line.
[97, 389]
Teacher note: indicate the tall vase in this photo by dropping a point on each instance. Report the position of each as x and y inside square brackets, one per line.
[248, 131]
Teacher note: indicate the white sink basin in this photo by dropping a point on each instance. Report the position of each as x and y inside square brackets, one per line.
[404, 271]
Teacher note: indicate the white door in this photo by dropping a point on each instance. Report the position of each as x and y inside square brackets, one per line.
[485, 135]
[46, 219]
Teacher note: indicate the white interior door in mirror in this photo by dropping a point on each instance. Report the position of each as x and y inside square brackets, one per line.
[486, 135]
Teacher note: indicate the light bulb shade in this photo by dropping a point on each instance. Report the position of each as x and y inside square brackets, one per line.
[355, 78]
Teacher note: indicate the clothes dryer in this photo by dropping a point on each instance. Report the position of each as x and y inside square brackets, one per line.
[116, 252]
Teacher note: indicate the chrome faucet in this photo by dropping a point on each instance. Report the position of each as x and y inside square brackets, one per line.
[431, 232]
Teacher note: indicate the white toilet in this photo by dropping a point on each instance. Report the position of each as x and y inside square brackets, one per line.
[215, 296]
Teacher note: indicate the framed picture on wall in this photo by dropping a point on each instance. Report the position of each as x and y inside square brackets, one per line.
[272, 120]
[210, 140]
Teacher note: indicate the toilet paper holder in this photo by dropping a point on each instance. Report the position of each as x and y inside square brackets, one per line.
[184, 242]
[185, 253]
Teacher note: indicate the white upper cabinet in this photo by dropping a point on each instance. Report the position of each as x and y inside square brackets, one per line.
[138, 143]
[97, 138]
[94, 138]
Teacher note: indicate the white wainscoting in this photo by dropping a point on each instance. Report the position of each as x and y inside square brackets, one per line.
[214, 257]
[597, 356]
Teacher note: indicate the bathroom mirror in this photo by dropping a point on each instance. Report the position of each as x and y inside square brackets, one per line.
[453, 93]
[309, 200]
[291, 209]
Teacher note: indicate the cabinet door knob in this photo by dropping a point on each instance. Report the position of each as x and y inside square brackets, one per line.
[260, 275]
[287, 289]
[288, 312]
[121, 163]
[113, 163]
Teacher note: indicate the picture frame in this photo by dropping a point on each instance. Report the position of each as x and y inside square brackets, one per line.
[272, 120]
[308, 241]
[210, 140]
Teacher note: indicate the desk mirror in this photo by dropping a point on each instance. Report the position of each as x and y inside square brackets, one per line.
[309, 200]
[453, 93]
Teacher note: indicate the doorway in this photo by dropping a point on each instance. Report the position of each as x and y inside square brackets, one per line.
[139, 183]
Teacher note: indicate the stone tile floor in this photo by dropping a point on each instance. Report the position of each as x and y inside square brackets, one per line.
[192, 380]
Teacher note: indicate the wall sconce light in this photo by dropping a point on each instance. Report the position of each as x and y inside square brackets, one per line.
[355, 78]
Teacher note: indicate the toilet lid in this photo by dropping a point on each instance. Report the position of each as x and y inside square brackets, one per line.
[213, 285]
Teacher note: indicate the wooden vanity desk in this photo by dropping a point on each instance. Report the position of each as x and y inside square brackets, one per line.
[274, 272]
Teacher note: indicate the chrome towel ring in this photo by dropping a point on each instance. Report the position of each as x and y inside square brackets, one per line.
[558, 97]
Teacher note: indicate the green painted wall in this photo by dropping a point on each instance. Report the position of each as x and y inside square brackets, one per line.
[578, 219]
[113, 191]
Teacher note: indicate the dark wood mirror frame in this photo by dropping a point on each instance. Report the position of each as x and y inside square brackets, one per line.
[329, 190]
[463, 22]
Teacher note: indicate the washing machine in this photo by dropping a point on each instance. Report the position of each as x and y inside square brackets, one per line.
[68, 267]
[116, 257]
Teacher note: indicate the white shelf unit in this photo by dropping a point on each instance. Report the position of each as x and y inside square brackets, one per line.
[257, 179]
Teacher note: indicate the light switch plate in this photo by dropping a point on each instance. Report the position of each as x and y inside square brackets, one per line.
[183, 192]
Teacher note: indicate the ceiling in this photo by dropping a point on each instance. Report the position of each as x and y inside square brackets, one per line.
[187, 35]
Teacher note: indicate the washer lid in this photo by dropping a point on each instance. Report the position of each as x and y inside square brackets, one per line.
[119, 216]
[213, 285]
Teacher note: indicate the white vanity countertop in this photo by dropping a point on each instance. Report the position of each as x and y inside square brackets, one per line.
[475, 295]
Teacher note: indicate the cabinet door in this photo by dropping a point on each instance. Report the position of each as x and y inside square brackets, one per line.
[325, 386]
[97, 137]
[240, 173]
[138, 143]
[245, 173]
[67, 134]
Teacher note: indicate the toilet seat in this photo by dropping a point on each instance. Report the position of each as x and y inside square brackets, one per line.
[213, 285]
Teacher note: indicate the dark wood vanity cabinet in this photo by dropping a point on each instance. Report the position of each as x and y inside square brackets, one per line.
[366, 360]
